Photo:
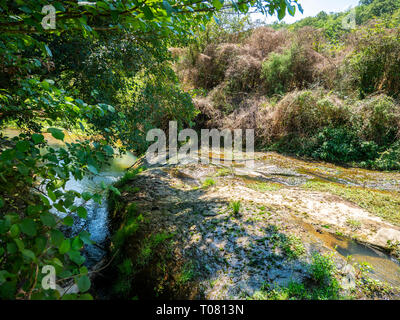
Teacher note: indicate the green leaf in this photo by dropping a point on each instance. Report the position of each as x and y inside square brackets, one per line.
[45, 200]
[25, 9]
[48, 219]
[56, 237]
[82, 212]
[40, 244]
[92, 169]
[115, 190]
[217, 4]
[3, 226]
[34, 210]
[76, 257]
[77, 244]
[57, 262]
[83, 270]
[86, 196]
[83, 283]
[22, 146]
[29, 254]
[51, 195]
[11, 248]
[28, 226]
[19, 244]
[65, 246]
[1, 202]
[148, 13]
[291, 9]
[69, 296]
[56, 133]
[14, 231]
[68, 221]
[282, 11]
[85, 237]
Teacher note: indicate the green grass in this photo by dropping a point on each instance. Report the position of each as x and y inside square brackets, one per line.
[223, 172]
[187, 274]
[209, 182]
[293, 247]
[354, 224]
[384, 204]
[235, 206]
[149, 244]
[265, 186]
[323, 284]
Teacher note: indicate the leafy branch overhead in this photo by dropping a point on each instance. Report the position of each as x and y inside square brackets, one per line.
[169, 16]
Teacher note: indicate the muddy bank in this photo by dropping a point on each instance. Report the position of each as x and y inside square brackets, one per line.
[177, 235]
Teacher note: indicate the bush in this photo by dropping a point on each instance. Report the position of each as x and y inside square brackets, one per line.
[389, 159]
[342, 145]
[379, 120]
[264, 40]
[212, 65]
[243, 74]
[303, 114]
[322, 269]
[374, 64]
[289, 70]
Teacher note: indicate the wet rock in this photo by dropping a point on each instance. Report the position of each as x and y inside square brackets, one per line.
[348, 282]
[238, 254]
[386, 234]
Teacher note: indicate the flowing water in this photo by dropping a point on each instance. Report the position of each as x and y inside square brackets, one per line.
[97, 219]
[384, 267]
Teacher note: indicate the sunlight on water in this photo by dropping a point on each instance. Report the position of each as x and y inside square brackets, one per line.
[97, 220]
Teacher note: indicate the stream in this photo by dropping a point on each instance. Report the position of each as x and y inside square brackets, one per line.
[97, 219]
[385, 267]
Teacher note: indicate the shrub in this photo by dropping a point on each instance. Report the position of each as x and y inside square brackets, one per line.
[342, 145]
[379, 119]
[322, 269]
[264, 40]
[221, 99]
[374, 64]
[303, 114]
[389, 159]
[286, 71]
[212, 65]
[243, 74]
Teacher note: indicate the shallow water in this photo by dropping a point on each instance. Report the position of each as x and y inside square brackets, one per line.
[97, 220]
[385, 267]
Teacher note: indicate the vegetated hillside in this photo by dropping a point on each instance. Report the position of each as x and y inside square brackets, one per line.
[311, 89]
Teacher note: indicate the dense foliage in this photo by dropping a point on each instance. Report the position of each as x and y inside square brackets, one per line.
[103, 72]
[316, 88]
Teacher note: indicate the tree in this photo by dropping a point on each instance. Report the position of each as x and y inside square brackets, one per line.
[36, 95]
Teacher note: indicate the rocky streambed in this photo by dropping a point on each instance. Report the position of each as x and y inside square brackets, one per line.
[282, 229]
